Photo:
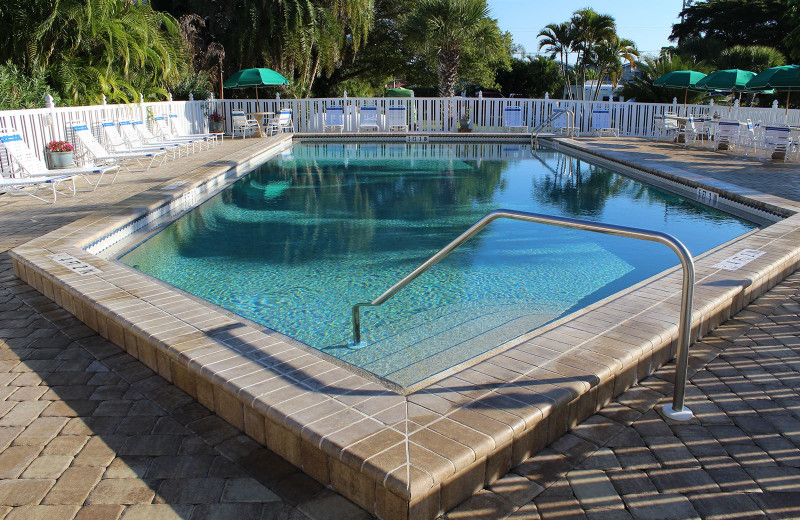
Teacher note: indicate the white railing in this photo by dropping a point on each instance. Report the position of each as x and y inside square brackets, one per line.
[41, 125]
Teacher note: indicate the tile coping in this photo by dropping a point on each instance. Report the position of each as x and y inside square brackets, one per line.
[349, 433]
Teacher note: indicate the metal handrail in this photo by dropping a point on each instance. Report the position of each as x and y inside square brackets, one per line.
[677, 410]
[556, 114]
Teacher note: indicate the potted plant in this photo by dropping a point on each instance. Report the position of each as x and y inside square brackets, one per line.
[215, 122]
[60, 154]
[464, 124]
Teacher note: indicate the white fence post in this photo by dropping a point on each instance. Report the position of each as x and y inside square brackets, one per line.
[51, 118]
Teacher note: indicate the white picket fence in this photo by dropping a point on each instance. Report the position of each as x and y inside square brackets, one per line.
[39, 126]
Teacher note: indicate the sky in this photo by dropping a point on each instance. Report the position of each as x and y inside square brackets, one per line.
[646, 22]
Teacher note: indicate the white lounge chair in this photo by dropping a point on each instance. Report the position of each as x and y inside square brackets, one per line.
[100, 154]
[17, 186]
[115, 141]
[727, 135]
[134, 139]
[34, 168]
[180, 132]
[281, 123]
[512, 119]
[239, 122]
[149, 138]
[396, 119]
[368, 119]
[601, 123]
[334, 119]
[166, 135]
[776, 140]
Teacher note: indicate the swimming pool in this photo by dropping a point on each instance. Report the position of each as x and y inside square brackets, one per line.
[300, 240]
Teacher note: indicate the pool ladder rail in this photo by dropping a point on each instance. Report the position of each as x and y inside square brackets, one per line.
[677, 410]
[555, 115]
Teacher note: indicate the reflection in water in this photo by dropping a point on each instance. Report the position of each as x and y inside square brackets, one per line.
[300, 240]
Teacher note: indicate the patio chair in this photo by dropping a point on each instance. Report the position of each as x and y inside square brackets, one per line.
[180, 132]
[601, 123]
[100, 154]
[368, 118]
[694, 130]
[280, 123]
[115, 141]
[727, 135]
[240, 123]
[134, 139]
[512, 119]
[150, 138]
[35, 174]
[749, 137]
[560, 122]
[396, 119]
[776, 140]
[165, 134]
[666, 127]
[334, 119]
[33, 167]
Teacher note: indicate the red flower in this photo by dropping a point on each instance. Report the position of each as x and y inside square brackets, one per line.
[59, 146]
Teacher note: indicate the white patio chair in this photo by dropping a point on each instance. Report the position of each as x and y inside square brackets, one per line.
[240, 123]
[334, 119]
[512, 119]
[180, 132]
[101, 155]
[694, 130]
[396, 119]
[134, 139]
[117, 143]
[666, 126]
[166, 135]
[776, 140]
[727, 134]
[34, 172]
[749, 137]
[601, 123]
[281, 123]
[368, 118]
[147, 137]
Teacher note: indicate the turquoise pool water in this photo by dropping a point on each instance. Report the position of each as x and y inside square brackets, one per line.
[324, 226]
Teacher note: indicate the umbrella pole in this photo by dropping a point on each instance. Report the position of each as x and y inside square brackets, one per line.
[685, 99]
[789, 93]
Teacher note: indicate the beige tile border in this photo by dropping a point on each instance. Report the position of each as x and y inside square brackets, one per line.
[465, 431]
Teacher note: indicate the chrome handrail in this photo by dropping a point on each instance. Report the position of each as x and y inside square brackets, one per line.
[556, 114]
[677, 410]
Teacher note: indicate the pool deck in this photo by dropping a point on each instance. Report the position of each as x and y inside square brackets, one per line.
[471, 428]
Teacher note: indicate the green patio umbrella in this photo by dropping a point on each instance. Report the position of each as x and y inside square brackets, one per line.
[786, 77]
[730, 80]
[399, 92]
[255, 78]
[685, 79]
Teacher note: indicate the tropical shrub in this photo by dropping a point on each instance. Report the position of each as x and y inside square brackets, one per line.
[20, 90]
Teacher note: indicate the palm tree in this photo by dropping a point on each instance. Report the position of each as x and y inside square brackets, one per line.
[446, 27]
[609, 56]
[750, 57]
[557, 39]
[642, 89]
[589, 30]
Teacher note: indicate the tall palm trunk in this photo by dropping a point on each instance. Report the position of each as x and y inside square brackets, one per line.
[448, 61]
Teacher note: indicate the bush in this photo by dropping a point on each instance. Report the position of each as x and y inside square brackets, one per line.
[196, 83]
[18, 90]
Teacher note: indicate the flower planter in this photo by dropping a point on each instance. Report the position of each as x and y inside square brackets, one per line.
[216, 127]
[61, 159]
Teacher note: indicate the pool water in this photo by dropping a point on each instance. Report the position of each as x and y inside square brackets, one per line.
[297, 242]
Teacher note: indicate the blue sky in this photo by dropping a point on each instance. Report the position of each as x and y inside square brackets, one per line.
[646, 22]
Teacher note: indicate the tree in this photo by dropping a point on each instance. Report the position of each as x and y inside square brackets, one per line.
[642, 89]
[792, 39]
[91, 47]
[589, 30]
[447, 28]
[533, 77]
[609, 54]
[736, 22]
[558, 39]
[752, 57]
